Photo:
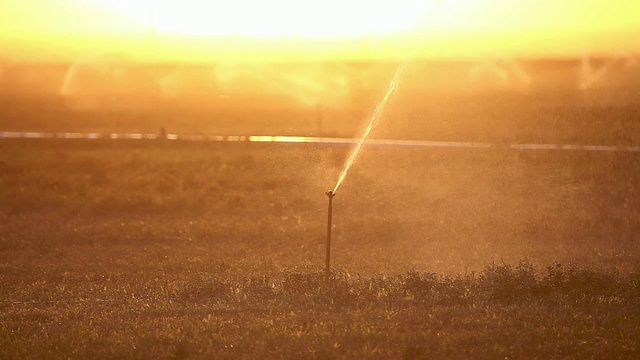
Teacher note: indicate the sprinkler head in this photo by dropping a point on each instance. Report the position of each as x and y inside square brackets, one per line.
[330, 193]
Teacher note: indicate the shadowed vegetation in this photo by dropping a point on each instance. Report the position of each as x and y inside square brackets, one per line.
[502, 311]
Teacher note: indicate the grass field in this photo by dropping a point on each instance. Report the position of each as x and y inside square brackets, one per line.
[154, 249]
[176, 249]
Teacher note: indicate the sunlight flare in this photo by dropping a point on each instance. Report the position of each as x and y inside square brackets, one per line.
[310, 18]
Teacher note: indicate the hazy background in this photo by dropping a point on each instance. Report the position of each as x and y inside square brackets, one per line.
[299, 67]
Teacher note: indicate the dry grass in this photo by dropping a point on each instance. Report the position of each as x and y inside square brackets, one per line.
[182, 250]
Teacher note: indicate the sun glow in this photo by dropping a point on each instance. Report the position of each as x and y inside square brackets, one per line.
[288, 30]
[309, 18]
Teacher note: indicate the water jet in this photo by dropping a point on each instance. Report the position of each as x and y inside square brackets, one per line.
[352, 158]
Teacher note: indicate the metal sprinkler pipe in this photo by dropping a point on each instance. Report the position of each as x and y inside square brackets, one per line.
[327, 271]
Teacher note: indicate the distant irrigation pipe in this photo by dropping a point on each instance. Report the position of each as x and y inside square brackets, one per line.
[327, 270]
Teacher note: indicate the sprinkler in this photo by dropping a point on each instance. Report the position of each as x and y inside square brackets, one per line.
[327, 271]
[352, 158]
[377, 114]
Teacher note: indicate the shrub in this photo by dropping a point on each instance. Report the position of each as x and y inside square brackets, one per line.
[505, 284]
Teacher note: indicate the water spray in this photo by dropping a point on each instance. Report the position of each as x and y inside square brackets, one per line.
[372, 122]
[354, 153]
[352, 157]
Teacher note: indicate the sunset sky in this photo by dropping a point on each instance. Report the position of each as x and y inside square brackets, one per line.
[287, 30]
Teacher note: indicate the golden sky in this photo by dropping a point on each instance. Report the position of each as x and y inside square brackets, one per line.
[245, 30]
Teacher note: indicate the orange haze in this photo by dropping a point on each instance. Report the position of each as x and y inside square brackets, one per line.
[242, 30]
